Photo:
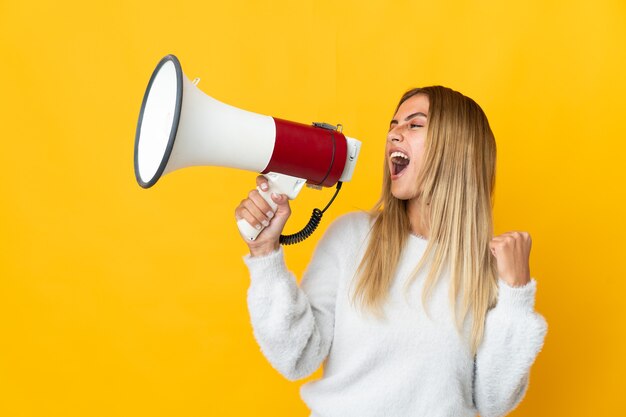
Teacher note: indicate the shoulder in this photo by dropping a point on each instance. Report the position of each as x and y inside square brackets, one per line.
[353, 222]
[350, 227]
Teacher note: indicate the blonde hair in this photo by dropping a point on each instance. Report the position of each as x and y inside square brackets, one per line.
[456, 181]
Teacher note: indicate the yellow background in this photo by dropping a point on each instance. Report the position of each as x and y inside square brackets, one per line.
[119, 301]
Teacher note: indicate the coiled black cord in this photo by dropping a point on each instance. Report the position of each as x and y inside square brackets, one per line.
[316, 218]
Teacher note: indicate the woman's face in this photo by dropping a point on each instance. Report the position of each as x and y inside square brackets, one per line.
[405, 146]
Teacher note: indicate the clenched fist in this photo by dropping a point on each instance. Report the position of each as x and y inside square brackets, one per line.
[512, 253]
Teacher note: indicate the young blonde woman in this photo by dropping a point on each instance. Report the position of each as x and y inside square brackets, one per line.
[415, 309]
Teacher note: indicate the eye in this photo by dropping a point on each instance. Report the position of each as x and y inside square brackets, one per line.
[415, 126]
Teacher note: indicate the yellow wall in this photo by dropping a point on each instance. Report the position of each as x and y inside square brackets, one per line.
[119, 301]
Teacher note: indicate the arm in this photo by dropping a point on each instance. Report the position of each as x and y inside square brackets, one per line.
[514, 335]
[294, 325]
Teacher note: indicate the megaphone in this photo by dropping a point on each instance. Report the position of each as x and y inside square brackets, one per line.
[179, 126]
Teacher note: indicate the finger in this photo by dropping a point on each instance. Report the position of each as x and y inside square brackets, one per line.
[497, 242]
[262, 183]
[255, 212]
[525, 236]
[499, 246]
[263, 205]
[505, 239]
[244, 214]
[239, 210]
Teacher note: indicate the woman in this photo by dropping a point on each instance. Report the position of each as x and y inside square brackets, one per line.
[414, 309]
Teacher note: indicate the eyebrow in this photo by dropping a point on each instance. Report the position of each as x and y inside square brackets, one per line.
[409, 117]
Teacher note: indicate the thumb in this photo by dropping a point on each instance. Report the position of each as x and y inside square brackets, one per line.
[283, 210]
[492, 247]
[282, 202]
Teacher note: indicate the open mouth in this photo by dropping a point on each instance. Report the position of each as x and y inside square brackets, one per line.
[399, 162]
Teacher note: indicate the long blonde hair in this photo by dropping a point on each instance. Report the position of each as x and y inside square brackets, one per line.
[456, 182]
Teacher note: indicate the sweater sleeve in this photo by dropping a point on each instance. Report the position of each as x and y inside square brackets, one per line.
[294, 324]
[514, 335]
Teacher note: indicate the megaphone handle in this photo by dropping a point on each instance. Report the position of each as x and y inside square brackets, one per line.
[279, 184]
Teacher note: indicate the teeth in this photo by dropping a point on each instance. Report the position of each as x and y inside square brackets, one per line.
[399, 155]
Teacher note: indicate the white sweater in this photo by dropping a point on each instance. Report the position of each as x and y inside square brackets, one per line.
[403, 365]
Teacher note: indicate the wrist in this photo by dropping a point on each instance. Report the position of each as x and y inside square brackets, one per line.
[263, 249]
[515, 282]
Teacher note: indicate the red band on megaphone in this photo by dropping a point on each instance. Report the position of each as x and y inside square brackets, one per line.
[313, 153]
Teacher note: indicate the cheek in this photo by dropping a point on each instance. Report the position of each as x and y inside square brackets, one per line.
[419, 152]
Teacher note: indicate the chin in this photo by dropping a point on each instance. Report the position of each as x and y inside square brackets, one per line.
[401, 194]
[404, 193]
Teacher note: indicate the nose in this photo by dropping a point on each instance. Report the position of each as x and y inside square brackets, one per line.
[395, 135]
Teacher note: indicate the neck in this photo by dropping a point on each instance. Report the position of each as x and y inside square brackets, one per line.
[419, 227]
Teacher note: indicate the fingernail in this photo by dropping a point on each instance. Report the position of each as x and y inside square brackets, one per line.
[257, 227]
[264, 187]
[266, 223]
[270, 214]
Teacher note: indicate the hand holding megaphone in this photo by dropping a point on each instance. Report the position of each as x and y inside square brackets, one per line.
[263, 216]
[261, 205]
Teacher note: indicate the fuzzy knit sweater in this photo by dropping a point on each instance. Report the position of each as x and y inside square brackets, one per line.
[400, 365]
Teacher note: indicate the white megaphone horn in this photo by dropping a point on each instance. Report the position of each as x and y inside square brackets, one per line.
[179, 126]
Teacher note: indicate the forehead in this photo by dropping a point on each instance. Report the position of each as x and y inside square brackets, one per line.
[417, 104]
